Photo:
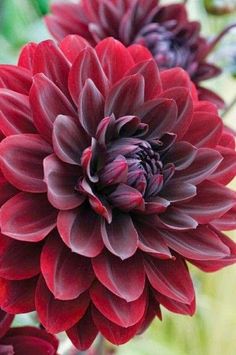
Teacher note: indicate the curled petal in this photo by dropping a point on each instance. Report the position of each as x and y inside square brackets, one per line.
[115, 172]
[126, 198]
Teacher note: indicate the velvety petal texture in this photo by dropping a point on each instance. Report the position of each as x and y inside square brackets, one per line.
[113, 177]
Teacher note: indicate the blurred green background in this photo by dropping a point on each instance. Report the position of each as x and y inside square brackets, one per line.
[212, 331]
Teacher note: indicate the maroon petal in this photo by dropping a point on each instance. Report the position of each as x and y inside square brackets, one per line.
[174, 306]
[61, 179]
[55, 315]
[212, 201]
[171, 278]
[47, 102]
[159, 114]
[117, 310]
[112, 332]
[26, 57]
[181, 154]
[56, 70]
[90, 107]
[5, 322]
[148, 69]
[205, 163]
[175, 192]
[184, 103]
[86, 66]
[15, 115]
[83, 333]
[13, 254]
[6, 190]
[21, 158]
[156, 205]
[72, 45]
[125, 96]
[114, 58]
[69, 139]
[199, 244]
[67, 274]
[124, 278]
[205, 130]
[115, 172]
[126, 198]
[151, 242]
[17, 296]
[15, 78]
[27, 217]
[80, 230]
[227, 221]
[120, 237]
[175, 219]
[226, 170]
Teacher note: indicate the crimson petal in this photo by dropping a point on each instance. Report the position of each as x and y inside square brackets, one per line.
[26, 57]
[72, 45]
[15, 78]
[226, 170]
[174, 306]
[5, 322]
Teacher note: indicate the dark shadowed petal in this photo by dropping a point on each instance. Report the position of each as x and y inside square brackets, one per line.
[115, 172]
[125, 96]
[148, 69]
[199, 244]
[159, 114]
[117, 310]
[174, 191]
[181, 154]
[90, 107]
[17, 296]
[56, 315]
[14, 253]
[205, 130]
[67, 274]
[83, 333]
[115, 59]
[21, 158]
[15, 78]
[86, 66]
[124, 278]
[26, 58]
[47, 102]
[6, 190]
[171, 278]
[126, 198]
[226, 170]
[61, 179]
[175, 219]
[72, 45]
[80, 230]
[205, 163]
[27, 217]
[174, 306]
[212, 201]
[69, 139]
[151, 242]
[120, 237]
[112, 332]
[57, 70]
[5, 322]
[227, 221]
[15, 115]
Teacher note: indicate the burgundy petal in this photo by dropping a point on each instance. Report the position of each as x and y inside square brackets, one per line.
[174, 191]
[176, 219]
[171, 278]
[83, 333]
[174, 306]
[6, 190]
[126, 198]
[80, 230]
[86, 66]
[15, 78]
[227, 221]
[21, 158]
[199, 244]
[115, 172]
[61, 179]
[56, 315]
[69, 139]
[27, 217]
[125, 96]
[120, 237]
[14, 253]
[67, 274]
[124, 278]
[115, 59]
[47, 102]
[181, 154]
[17, 296]
[117, 310]
[5, 322]
[226, 170]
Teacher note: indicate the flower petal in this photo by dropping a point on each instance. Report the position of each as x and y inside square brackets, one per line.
[26, 57]
[126, 198]
[27, 217]
[174, 306]
[175, 219]
[5, 322]
[72, 45]
[15, 78]
[226, 170]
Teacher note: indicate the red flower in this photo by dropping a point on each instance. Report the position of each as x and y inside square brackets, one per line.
[24, 340]
[113, 175]
[166, 31]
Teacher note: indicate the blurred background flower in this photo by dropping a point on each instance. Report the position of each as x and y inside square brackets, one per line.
[212, 331]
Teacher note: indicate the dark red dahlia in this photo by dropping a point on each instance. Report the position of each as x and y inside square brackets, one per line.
[113, 175]
[24, 340]
[166, 31]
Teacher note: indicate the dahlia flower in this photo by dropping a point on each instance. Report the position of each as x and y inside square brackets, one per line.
[113, 176]
[166, 31]
[24, 340]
